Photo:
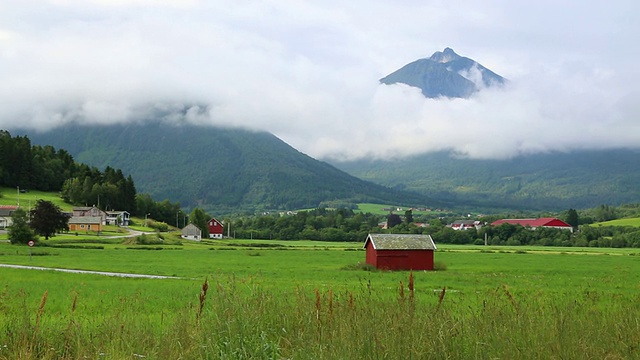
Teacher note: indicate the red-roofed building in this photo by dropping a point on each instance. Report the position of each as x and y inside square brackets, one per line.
[215, 229]
[536, 223]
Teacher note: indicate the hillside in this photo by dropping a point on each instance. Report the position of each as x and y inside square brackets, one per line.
[215, 168]
[552, 181]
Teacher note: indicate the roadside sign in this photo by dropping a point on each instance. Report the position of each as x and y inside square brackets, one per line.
[31, 244]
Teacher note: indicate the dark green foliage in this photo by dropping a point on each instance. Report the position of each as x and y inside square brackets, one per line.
[393, 220]
[33, 167]
[319, 224]
[19, 231]
[164, 211]
[200, 219]
[47, 219]
[572, 218]
[408, 216]
[109, 190]
[16, 160]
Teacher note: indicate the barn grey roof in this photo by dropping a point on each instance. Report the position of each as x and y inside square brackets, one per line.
[401, 242]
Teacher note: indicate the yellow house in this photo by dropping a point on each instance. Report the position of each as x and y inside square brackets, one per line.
[85, 223]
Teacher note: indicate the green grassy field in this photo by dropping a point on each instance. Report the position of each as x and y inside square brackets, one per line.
[378, 209]
[635, 222]
[307, 300]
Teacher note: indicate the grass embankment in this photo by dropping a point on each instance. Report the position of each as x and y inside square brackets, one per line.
[11, 196]
[276, 300]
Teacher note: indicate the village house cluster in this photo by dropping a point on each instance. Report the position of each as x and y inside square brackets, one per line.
[383, 251]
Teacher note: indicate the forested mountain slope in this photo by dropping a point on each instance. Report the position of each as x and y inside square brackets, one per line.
[551, 181]
[216, 168]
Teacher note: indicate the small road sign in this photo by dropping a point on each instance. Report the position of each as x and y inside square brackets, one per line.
[31, 243]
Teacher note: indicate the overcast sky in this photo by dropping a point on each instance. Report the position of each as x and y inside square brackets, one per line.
[308, 71]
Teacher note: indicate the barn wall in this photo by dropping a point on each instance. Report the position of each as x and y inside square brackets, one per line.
[371, 255]
[404, 259]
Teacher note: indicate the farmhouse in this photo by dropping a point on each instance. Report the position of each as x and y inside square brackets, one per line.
[191, 232]
[90, 211]
[400, 251]
[6, 215]
[215, 229]
[536, 223]
[85, 223]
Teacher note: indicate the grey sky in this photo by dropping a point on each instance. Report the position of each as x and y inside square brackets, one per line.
[308, 71]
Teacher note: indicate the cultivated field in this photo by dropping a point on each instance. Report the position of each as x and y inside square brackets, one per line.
[246, 299]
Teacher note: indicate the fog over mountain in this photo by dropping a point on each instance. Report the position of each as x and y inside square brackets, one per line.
[309, 72]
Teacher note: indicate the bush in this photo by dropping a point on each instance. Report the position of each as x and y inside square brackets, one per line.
[439, 266]
[145, 239]
[158, 225]
[360, 266]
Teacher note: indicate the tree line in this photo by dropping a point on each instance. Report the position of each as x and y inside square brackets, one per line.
[347, 225]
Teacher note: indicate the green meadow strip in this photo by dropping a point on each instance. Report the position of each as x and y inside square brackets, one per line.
[305, 302]
[239, 318]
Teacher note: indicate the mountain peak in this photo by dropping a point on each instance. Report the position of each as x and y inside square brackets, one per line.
[444, 56]
[445, 74]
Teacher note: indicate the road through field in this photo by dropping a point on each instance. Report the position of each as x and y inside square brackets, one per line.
[104, 273]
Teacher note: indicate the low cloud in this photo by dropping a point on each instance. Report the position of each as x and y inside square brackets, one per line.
[309, 74]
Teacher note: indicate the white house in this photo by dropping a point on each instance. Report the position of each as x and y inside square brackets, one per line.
[120, 218]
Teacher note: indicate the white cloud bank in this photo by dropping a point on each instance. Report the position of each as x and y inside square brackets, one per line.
[308, 71]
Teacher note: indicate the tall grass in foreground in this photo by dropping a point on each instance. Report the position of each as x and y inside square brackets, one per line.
[240, 319]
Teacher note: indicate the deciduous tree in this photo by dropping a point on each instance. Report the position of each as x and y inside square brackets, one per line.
[393, 220]
[19, 231]
[199, 218]
[47, 219]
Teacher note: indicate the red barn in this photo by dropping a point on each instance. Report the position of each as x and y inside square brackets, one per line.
[215, 229]
[535, 223]
[400, 251]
